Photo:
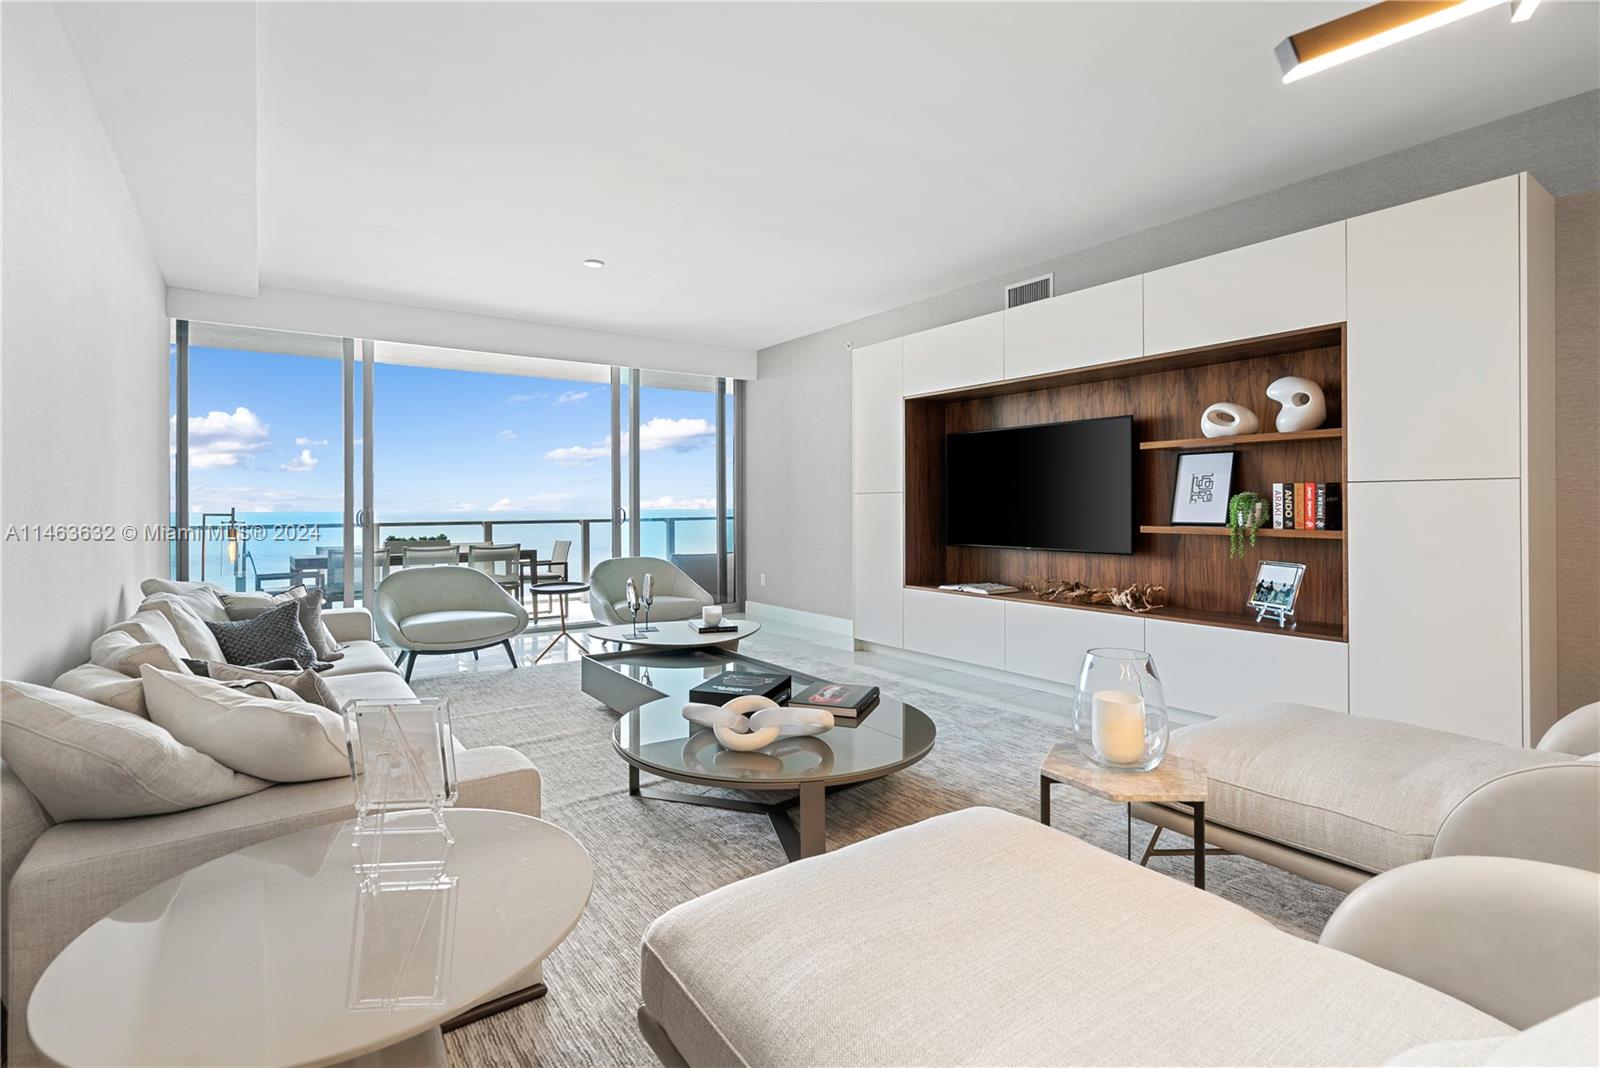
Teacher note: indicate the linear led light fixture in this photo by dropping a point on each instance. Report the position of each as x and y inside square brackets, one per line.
[1363, 32]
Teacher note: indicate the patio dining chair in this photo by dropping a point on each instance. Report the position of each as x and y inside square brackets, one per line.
[555, 569]
[428, 555]
[503, 563]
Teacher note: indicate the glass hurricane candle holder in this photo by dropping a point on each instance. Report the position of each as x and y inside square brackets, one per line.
[1119, 714]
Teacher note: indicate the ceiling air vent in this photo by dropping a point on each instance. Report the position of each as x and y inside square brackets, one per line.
[1031, 290]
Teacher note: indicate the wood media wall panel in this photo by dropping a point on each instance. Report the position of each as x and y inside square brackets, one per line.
[1165, 396]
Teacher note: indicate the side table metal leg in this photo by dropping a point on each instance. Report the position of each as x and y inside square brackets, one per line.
[813, 819]
[1044, 800]
[633, 781]
[1129, 853]
[1200, 844]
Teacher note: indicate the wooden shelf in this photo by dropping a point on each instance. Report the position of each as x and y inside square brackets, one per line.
[1325, 434]
[1264, 532]
[1226, 620]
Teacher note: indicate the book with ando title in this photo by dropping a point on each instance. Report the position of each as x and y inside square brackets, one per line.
[730, 684]
[836, 697]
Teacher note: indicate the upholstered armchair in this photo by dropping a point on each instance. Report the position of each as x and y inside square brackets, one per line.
[428, 610]
[677, 596]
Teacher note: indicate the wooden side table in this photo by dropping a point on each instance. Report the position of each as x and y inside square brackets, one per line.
[1173, 781]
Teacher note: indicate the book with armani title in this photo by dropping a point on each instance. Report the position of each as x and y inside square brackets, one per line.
[730, 684]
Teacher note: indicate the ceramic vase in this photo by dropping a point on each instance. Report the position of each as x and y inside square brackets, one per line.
[1227, 420]
[1303, 406]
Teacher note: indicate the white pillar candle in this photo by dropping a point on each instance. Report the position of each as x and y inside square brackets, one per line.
[711, 615]
[1117, 726]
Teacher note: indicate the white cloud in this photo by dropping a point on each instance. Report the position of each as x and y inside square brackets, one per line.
[304, 462]
[572, 396]
[524, 398]
[310, 441]
[460, 506]
[222, 439]
[576, 455]
[671, 503]
[507, 435]
[680, 435]
[504, 504]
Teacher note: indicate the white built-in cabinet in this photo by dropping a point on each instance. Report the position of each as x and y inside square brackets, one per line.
[1288, 283]
[957, 626]
[1215, 671]
[878, 418]
[1434, 355]
[1048, 642]
[1448, 415]
[880, 567]
[961, 354]
[1101, 324]
[1434, 619]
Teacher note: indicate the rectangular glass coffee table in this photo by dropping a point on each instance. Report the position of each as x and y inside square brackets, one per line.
[650, 688]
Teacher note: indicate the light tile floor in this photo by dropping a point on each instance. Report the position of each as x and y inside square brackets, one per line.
[778, 638]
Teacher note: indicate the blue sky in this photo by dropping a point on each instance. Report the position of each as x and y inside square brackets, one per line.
[265, 436]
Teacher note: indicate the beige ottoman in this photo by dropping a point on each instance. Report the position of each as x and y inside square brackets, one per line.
[1339, 798]
[982, 937]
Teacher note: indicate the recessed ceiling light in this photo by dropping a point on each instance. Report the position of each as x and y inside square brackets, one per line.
[594, 265]
[1363, 32]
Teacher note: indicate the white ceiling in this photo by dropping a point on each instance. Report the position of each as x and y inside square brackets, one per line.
[750, 173]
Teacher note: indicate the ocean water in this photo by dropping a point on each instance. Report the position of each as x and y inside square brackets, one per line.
[268, 540]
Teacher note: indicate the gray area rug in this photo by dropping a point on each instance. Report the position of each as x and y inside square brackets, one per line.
[649, 856]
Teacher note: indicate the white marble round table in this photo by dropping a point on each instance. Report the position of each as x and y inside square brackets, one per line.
[674, 634]
[274, 955]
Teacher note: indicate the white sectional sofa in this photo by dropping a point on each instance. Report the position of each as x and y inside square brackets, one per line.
[58, 878]
[981, 937]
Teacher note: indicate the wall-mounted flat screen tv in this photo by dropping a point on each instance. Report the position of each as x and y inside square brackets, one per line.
[1060, 486]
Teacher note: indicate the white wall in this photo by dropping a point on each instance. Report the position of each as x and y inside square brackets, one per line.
[798, 510]
[83, 360]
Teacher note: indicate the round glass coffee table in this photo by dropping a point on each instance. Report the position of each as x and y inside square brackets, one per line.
[656, 739]
[674, 634]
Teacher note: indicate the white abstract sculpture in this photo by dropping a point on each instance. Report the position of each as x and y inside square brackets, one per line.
[1304, 407]
[751, 722]
[1225, 420]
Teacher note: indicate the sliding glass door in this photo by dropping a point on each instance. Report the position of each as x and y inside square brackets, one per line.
[258, 483]
[318, 460]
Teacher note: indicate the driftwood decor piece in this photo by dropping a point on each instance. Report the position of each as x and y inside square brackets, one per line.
[1137, 597]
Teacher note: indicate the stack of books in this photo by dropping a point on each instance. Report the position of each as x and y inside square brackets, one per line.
[1307, 506]
[730, 684]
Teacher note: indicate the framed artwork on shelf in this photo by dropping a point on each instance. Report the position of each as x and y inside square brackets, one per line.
[1277, 586]
[1204, 484]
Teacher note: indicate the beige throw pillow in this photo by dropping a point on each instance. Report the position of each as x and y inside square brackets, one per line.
[286, 741]
[85, 761]
[122, 652]
[104, 686]
[152, 626]
[305, 685]
[204, 597]
[196, 637]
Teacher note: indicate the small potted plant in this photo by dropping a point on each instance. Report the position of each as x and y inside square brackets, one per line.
[1246, 511]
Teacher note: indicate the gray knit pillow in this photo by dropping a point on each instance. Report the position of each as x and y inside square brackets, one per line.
[273, 634]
